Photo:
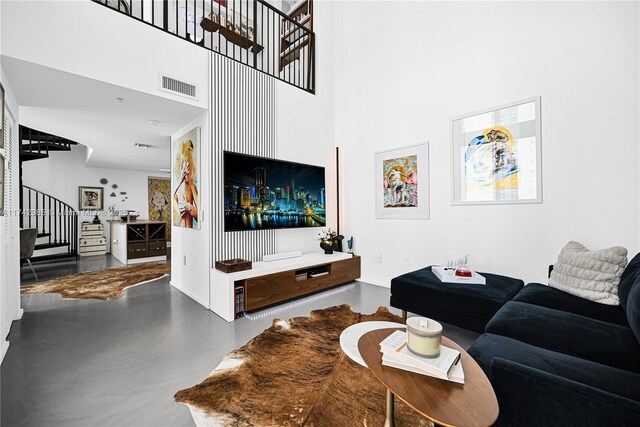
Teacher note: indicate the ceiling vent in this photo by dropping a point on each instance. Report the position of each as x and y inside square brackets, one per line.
[178, 87]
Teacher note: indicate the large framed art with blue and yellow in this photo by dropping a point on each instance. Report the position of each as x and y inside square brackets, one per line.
[497, 155]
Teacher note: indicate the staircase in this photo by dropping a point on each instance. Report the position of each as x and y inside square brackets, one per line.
[56, 221]
[35, 144]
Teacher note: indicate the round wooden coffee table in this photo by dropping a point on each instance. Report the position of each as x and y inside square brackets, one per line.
[446, 403]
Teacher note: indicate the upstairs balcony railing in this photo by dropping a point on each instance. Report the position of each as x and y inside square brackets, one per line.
[252, 32]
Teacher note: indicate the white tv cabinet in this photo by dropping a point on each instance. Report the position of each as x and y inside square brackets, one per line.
[270, 283]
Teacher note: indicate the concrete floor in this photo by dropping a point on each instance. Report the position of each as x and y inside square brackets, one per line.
[119, 363]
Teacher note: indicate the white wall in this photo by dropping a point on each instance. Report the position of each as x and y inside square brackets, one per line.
[306, 126]
[404, 68]
[9, 229]
[85, 38]
[63, 172]
[191, 249]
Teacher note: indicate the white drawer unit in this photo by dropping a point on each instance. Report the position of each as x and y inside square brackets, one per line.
[92, 240]
[92, 233]
[92, 227]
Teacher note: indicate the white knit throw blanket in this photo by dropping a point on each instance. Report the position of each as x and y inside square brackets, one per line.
[593, 275]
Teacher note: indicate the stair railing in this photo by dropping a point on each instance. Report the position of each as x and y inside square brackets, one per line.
[252, 32]
[52, 218]
[33, 144]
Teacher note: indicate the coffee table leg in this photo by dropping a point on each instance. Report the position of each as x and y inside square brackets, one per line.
[389, 419]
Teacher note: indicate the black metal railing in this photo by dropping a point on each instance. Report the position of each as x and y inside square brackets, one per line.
[252, 32]
[39, 144]
[30, 143]
[56, 221]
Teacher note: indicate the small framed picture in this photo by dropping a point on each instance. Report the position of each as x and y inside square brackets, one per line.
[91, 198]
[402, 182]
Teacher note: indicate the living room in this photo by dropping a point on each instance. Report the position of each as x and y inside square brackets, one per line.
[384, 98]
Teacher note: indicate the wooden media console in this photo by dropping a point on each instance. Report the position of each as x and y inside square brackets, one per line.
[271, 283]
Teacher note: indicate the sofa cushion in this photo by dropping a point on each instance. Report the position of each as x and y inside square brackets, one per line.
[616, 381]
[628, 278]
[546, 296]
[568, 333]
[423, 293]
[590, 274]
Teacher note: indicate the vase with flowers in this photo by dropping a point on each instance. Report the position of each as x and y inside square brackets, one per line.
[329, 240]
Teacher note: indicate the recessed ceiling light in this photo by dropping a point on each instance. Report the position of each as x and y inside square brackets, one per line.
[154, 122]
[137, 144]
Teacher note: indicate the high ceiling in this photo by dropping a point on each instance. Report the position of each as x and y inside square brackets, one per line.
[89, 112]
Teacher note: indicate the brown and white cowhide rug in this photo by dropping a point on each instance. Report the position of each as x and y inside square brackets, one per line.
[295, 374]
[104, 285]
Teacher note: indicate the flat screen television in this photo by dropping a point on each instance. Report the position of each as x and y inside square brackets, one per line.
[266, 194]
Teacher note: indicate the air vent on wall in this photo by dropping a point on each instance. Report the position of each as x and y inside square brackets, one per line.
[178, 87]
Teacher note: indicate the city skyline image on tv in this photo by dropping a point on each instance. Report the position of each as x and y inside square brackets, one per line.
[264, 194]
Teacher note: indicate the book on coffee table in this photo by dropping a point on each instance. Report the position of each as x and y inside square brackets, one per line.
[456, 374]
[396, 349]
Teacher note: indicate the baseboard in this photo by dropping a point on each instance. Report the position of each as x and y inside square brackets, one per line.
[197, 299]
[5, 346]
[374, 282]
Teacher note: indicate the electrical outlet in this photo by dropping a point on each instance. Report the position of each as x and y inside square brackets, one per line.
[405, 260]
[379, 258]
[184, 260]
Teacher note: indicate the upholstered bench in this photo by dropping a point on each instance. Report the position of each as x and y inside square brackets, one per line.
[466, 305]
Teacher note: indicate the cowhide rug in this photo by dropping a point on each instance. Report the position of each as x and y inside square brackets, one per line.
[104, 285]
[295, 374]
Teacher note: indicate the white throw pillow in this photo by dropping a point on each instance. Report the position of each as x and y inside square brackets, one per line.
[593, 275]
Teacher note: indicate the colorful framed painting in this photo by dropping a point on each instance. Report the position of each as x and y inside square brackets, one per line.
[185, 180]
[402, 182]
[497, 155]
[91, 198]
[159, 201]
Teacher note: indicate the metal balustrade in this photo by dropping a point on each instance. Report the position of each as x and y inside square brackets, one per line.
[252, 32]
[56, 222]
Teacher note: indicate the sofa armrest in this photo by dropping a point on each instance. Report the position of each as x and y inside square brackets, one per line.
[529, 396]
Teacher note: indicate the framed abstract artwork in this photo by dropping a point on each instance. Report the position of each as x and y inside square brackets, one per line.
[185, 180]
[497, 155]
[91, 198]
[402, 182]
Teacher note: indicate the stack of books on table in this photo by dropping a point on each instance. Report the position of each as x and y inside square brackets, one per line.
[396, 354]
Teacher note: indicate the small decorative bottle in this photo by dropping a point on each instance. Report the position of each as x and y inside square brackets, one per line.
[463, 270]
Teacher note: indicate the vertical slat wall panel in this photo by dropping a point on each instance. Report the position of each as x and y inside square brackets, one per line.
[243, 120]
[8, 205]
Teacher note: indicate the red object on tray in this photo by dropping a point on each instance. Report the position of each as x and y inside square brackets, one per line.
[463, 273]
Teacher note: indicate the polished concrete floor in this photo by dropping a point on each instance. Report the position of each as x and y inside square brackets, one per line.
[119, 363]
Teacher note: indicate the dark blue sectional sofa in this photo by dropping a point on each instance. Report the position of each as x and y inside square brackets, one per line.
[555, 359]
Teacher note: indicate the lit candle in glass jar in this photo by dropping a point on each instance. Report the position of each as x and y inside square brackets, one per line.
[423, 336]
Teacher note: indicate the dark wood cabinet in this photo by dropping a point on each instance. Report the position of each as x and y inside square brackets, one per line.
[146, 240]
[270, 289]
